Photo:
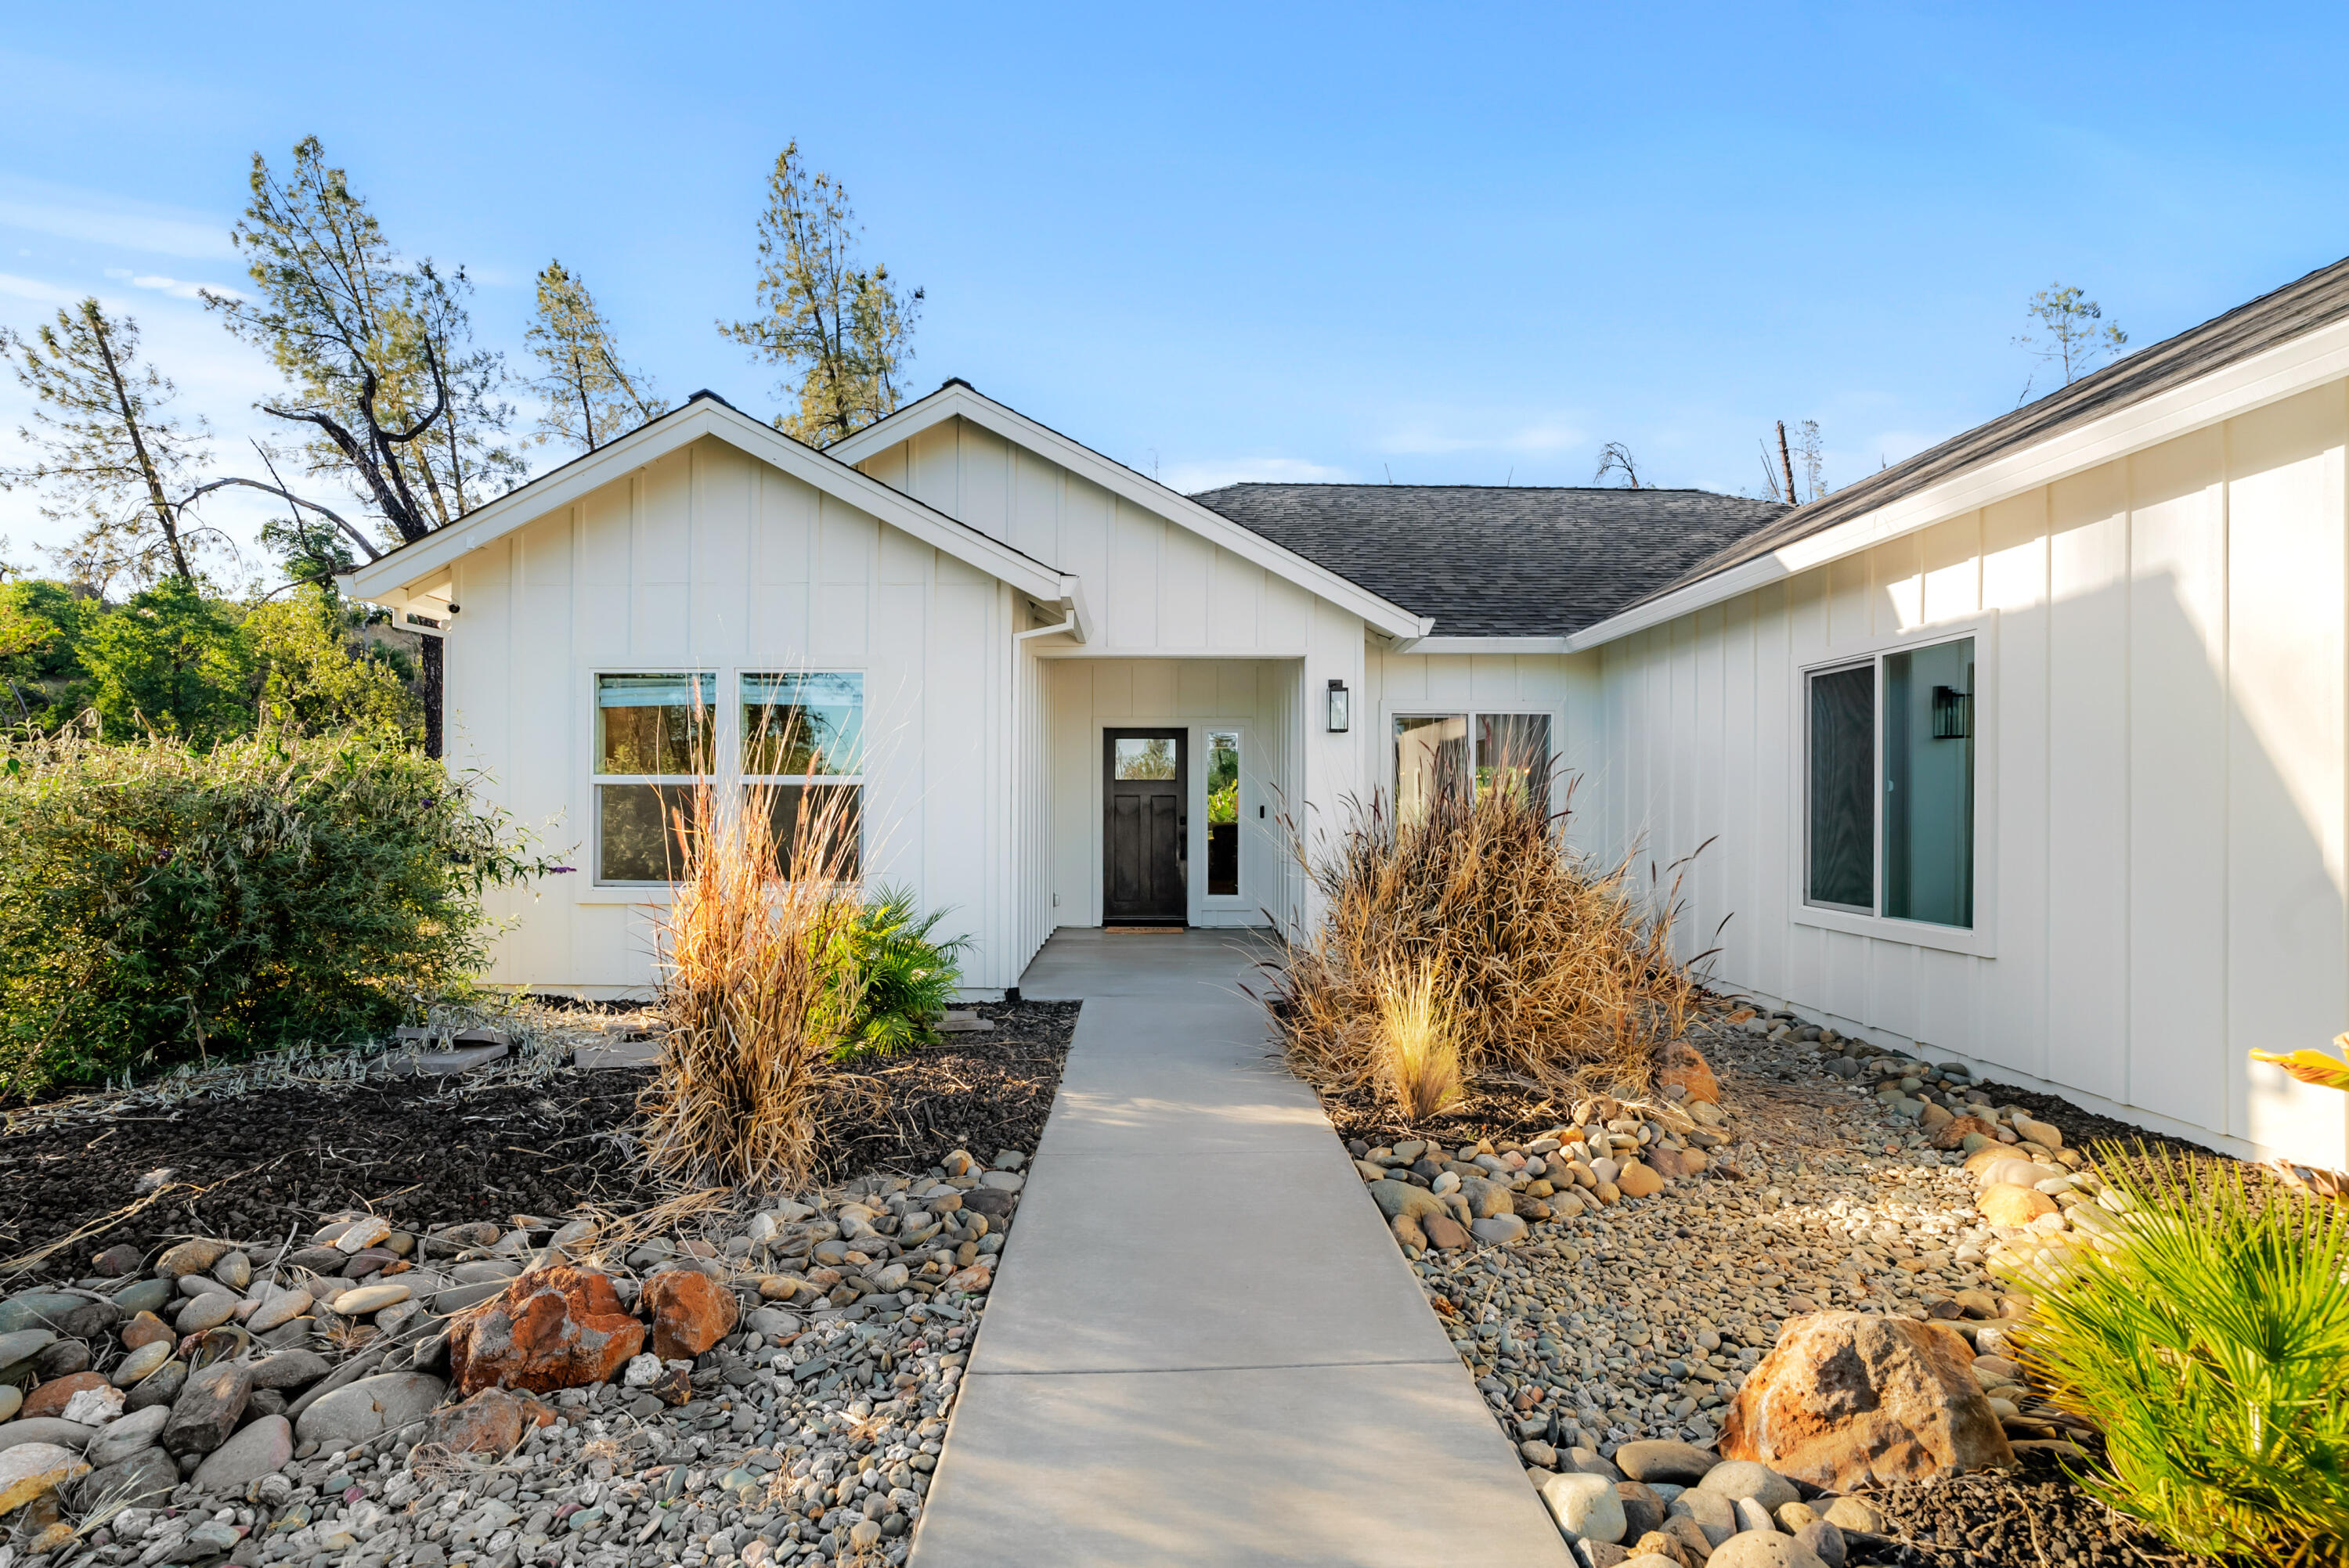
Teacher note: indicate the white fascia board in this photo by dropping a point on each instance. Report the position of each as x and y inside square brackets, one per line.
[1479, 645]
[1380, 614]
[2310, 360]
[433, 554]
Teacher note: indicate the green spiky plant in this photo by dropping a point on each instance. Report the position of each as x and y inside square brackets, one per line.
[2209, 1345]
[908, 976]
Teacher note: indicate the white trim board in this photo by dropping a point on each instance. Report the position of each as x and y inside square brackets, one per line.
[2289, 368]
[960, 397]
[392, 578]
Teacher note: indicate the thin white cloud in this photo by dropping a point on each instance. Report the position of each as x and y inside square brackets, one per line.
[179, 290]
[34, 290]
[96, 218]
[1194, 476]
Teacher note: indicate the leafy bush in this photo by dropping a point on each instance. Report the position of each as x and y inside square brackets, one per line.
[160, 903]
[2209, 1341]
[905, 976]
[758, 987]
[1557, 967]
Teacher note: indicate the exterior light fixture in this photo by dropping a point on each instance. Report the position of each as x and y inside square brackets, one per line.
[1341, 707]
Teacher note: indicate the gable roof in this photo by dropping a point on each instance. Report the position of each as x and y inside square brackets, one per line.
[706, 414]
[2274, 319]
[1484, 561]
[959, 399]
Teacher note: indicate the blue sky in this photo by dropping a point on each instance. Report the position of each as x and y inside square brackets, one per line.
[1445, 244]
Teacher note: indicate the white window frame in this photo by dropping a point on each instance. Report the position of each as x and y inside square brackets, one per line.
[1980, 940]
[726, 744]
[1391, 765]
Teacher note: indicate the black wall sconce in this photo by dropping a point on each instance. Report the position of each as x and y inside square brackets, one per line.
[1341, 707]
[1953, 714]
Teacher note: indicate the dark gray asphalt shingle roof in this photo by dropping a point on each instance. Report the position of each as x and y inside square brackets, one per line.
[1491, 562]
[2300, 306]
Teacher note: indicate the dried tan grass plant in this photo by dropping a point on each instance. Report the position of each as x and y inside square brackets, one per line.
[1559, 967]
[756, 986]
[1419, 1038]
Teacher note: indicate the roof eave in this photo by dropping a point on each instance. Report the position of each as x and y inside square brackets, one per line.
[2287, 368]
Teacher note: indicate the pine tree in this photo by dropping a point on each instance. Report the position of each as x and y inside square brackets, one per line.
[846, 330]
[106, 451]
[2068, 331]
[590, 396]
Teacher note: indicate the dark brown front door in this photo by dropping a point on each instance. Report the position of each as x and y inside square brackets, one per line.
[1144, 789]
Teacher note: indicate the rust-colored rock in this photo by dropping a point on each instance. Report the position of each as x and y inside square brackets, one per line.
[1845, 1400]
[1637, 1181]
[52, 1396]
[145, 1329]
[691, 1312]
[493, 1421]
[1953, 1131]
[1685, 1068]
[2007, 1203]
[557, 1327]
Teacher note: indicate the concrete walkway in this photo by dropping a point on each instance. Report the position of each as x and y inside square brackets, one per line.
[1203, 1347]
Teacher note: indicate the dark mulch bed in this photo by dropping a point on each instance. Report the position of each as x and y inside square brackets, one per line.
[980, 1092]
[2083, 1130]
[1502, 1110]
[2036, 1518]
[432, 1152]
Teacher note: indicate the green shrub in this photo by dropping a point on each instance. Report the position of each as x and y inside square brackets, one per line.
[160, 903]
[906, 977]
[2210, 1346]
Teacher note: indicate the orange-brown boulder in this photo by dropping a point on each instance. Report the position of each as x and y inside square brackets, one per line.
[52, 1396]
[1684, 1066]
[1674, 1162]
[555, 1328]
[1846, 1399]
[690, 1312]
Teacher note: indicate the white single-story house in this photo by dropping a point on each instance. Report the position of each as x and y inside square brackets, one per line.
[2032, 751]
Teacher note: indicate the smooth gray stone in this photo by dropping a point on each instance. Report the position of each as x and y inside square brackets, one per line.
[140, 1480]
[46, 1429]
[388, 1401]
[126, 1435]
[146, 1295]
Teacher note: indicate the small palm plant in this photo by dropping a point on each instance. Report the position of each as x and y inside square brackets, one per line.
[1419, 1038]
[2210, 1346]
[906, 976]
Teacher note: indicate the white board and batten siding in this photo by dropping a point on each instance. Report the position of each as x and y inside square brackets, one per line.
[2162, 779]
[1161, 593]
[708, 559]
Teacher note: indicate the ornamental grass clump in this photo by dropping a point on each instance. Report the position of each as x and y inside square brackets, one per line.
[1420, 1042]
[1556, 968]
[2209, 1342]
[758, 987]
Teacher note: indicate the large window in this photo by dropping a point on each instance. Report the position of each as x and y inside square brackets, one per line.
[659, 734]
[1438, 754]
[653, 742]
[1890, 814]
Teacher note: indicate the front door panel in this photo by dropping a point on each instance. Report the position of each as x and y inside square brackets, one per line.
[1145, 794]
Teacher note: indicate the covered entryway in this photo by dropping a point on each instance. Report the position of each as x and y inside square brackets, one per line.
[1168, 779]
[1146, 827]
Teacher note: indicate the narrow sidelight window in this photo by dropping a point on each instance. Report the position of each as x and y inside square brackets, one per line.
[1222, 813]
[1842, 829]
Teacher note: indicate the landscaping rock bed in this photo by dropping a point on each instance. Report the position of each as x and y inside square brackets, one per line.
[716, 1379]
[1618, 1278]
